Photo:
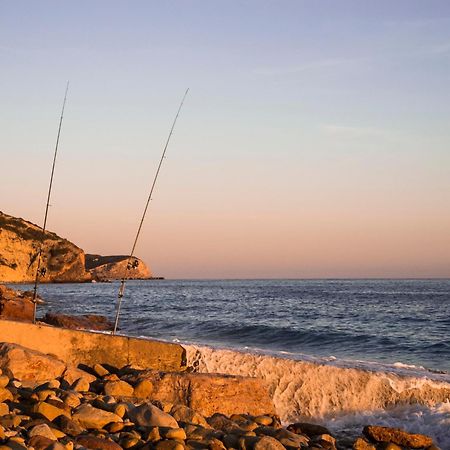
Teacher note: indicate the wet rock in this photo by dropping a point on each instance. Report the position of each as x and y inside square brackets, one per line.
[93, 418]
[266, 431]
[289, 439]
[310, 429]
[82, 322]
[397, 436]
[25, 364]
[147, 415]
[96, 443]
[118, 389]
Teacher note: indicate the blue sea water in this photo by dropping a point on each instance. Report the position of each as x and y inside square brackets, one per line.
[385, 321]
[345, 353]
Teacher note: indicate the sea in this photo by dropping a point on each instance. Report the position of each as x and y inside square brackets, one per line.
[344, 353]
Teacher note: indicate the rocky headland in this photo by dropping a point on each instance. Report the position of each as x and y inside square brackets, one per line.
[63, 261]
[103, 268]
[20, 241]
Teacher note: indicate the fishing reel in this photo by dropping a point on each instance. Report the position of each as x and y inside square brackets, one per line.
[42, 271]
[132, 264]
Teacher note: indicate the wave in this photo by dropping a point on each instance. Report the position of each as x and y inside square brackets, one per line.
[341, 397]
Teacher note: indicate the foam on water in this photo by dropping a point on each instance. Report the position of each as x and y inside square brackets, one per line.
[344, 398]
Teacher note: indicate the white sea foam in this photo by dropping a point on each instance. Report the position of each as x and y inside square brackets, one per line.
[343, 397]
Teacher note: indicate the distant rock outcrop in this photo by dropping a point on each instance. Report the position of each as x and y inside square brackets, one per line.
[115, 267]
[83, 322]
[19, 247]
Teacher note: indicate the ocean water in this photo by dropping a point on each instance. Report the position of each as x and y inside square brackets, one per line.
[342, 352]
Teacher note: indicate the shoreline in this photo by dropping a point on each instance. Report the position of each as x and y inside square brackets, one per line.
[117, 376]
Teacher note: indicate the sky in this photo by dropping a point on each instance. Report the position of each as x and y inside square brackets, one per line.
[314, 142]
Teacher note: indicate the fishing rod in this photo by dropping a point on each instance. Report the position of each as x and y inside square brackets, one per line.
[132, 263]
[42, 271]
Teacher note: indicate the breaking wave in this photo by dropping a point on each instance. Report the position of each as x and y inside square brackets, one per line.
[343, 397]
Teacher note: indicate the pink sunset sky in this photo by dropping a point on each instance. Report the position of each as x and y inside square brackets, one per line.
[311, 144]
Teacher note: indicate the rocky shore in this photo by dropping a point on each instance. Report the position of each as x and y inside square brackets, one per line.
[45, 404]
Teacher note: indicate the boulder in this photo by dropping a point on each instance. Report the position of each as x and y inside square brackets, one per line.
[25, 364]
[397, 436]
[148, 415]
[81, 322]
[16, 305]
[208, 394]
[93, 418]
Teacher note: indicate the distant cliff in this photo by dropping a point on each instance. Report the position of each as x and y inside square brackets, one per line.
[19, 247]
[115, 267]
[63, 260]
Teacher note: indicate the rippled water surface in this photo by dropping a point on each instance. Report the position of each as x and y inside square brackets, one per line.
[385, 321]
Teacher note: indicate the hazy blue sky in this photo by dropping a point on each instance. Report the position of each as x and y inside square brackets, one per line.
[315, 140]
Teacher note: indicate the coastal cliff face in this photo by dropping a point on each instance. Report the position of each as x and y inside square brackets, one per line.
[19, 247]
[115, 267]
